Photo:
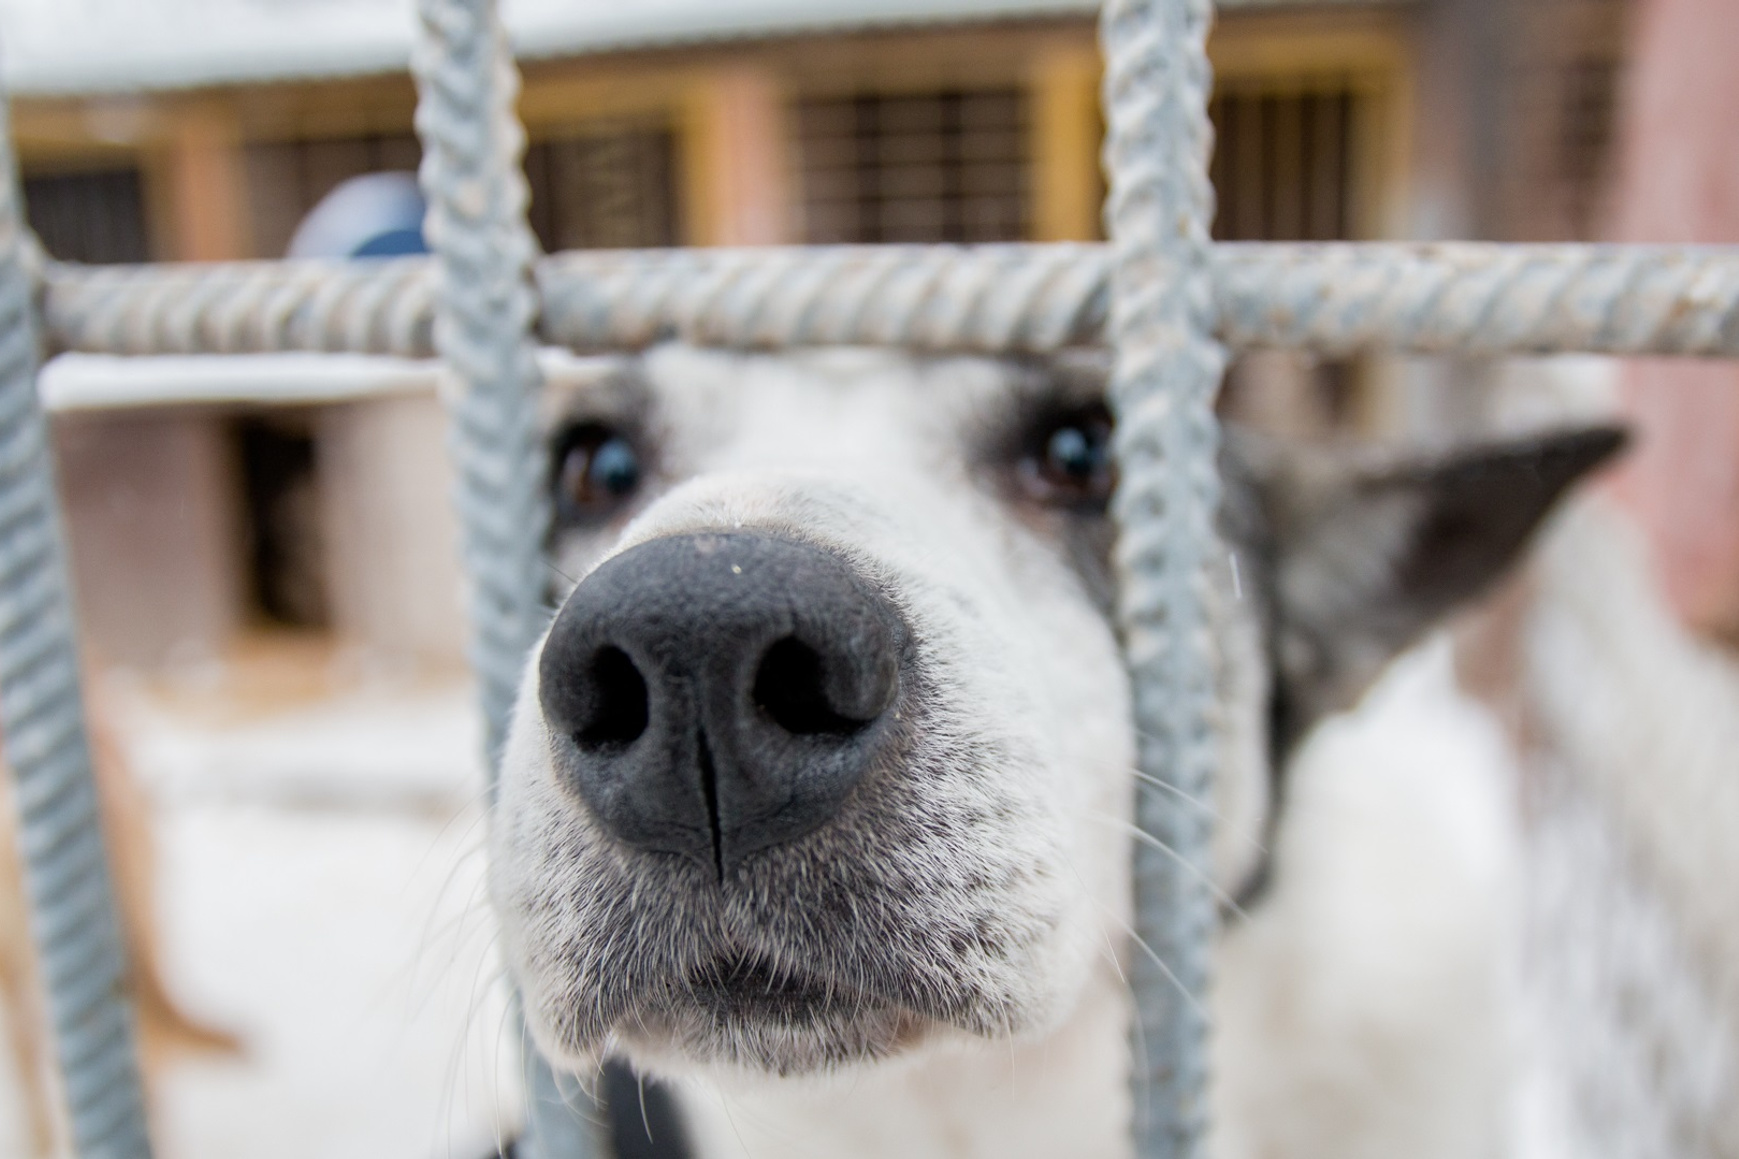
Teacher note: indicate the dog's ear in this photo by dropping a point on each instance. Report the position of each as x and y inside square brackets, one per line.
[1365, 558]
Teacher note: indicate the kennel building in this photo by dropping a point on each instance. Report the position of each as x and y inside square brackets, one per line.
[1171, 300]
[960, 123]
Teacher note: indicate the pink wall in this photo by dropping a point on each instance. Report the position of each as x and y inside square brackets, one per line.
[1678, 181]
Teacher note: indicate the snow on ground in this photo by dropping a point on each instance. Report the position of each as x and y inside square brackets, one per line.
[350, 953]
[320, 890]
[265, 729]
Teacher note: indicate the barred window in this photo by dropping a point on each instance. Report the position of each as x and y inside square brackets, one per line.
[89, 217]
[934, 167]
[1588, 98]
[1284, 165]
[604, 190]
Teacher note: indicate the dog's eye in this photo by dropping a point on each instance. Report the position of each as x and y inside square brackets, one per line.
[1070, 460]
[596, 468]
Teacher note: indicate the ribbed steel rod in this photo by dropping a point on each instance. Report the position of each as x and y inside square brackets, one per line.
[72, 906]
[485, 309]
[1335, 298]
[1167, 370]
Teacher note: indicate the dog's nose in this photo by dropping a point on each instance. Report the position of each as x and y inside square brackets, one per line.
[715, 695]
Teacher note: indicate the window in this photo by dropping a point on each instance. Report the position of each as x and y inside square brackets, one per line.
[1284, 165]
[1588, 98]
[606, 190]
[934, 167]
[89, 217]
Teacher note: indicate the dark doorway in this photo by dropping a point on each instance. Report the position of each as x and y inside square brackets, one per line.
[284, 544]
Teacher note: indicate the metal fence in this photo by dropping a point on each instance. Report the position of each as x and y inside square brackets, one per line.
[1169, 300]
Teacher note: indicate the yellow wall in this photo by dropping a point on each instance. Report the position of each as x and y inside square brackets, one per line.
[1067, 188]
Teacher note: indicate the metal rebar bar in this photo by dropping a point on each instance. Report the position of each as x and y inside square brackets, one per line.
[72, 907]
[484, 313]
[485, 308]
[1165, 375]
[1336, 298]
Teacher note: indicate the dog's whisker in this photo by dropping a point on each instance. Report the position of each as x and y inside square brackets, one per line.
[1141, 943]
[472, 914]
[465, 1043]
[1142, 1112]
[1106, 947]
[645, 1119]
[1145, 780]
[1160, 783]
[479, 995]
[1148, 839]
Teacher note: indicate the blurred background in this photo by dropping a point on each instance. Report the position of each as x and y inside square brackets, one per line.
[265, 561]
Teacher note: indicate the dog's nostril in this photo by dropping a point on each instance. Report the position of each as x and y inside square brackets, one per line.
[789, 687]
[619, 709]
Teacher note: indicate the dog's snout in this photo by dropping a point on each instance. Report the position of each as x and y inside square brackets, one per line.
[714, 695]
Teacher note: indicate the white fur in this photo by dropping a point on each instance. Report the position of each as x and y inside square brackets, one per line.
[853, 450]
[1359, 1012]
[1632, 953]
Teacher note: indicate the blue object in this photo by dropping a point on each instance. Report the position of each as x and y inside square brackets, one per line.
[376, 215]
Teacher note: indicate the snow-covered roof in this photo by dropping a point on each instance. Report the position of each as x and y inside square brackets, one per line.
[56, 47]
[94, 46]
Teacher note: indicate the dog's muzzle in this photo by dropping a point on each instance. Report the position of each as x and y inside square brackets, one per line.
[714, 696]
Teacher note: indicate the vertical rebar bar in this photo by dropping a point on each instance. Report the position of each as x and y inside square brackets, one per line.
[483, 246]
[72, 906]
[486, 308]
[1167, 371]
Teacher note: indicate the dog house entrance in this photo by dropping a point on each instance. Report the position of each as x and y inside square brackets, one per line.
[283, 546]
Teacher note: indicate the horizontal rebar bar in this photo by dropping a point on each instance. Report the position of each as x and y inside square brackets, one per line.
[1335, 298]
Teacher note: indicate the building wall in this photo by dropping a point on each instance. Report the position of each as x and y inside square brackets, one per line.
[1679, 182]
[152, 532]
[392, 545]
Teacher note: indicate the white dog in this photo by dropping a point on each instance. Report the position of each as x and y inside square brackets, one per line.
[816, 803]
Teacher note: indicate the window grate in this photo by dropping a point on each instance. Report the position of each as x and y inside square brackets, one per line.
[609, 190]
[96, 217]
[1284, 165]
[931, 167]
